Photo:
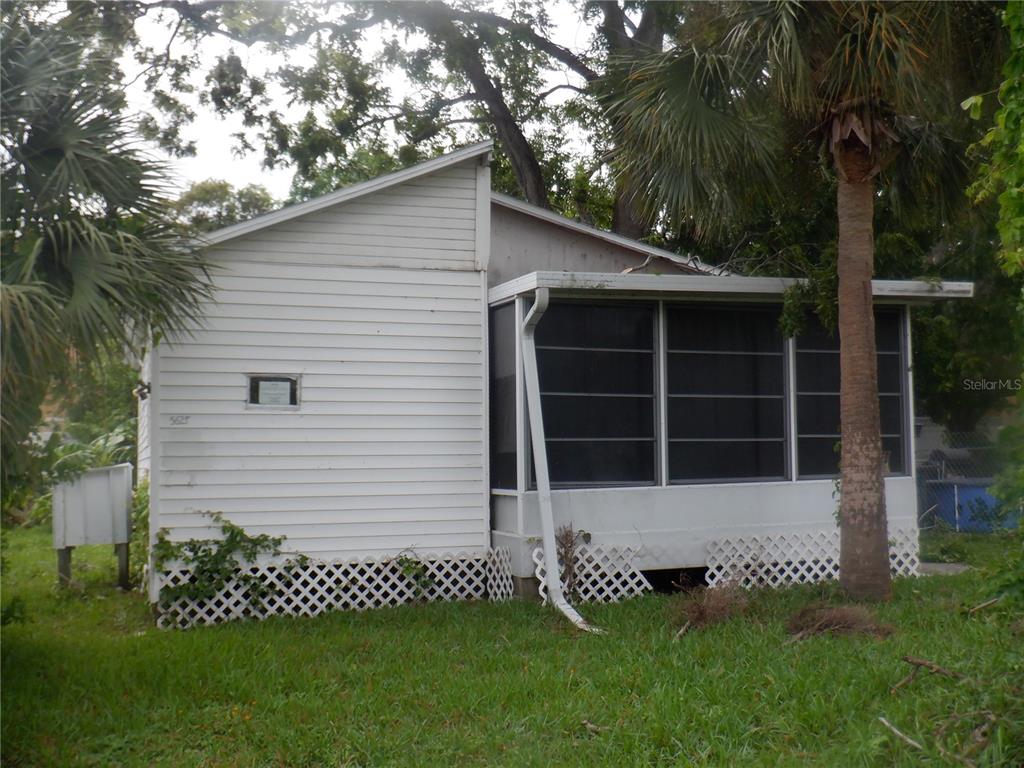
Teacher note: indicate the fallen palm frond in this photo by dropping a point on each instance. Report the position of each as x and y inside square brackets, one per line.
[705, 607]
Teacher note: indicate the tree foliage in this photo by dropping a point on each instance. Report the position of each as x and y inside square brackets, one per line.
[405, 79]
[212, 204]
[870, 84]
[1001, 175]
[92, 263]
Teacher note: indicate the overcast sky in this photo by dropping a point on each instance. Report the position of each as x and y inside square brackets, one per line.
[216, 156]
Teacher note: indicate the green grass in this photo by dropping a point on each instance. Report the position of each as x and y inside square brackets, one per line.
[976, 549]
[88, 680]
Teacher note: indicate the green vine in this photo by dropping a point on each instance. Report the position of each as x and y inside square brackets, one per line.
[817, 294]
[1001, 174]
[415, 570]
[214, 563]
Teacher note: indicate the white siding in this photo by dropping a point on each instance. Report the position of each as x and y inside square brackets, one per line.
[143, 426]
[521, 244]
[426, 223]
[377, 305]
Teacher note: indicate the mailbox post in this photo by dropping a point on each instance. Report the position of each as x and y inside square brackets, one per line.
[94, 509]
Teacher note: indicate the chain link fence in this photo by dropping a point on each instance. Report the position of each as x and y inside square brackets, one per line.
[954, 473]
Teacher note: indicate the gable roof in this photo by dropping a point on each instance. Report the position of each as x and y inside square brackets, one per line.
[688, 261]
[480, 149]
[345, 194]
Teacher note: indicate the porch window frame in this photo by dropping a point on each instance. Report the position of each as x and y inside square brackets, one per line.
[657, 397]
[525, 476]
[905, 396]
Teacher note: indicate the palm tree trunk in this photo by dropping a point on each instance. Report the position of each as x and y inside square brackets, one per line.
[864, 548]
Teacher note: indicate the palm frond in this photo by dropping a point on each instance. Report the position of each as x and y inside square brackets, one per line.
[91, 258]
[694, 141]
[926, 178]
[778, 37]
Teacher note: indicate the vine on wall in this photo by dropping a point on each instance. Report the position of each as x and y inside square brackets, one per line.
[214, 563]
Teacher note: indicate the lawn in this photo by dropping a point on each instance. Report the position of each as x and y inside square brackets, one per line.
[88, 680]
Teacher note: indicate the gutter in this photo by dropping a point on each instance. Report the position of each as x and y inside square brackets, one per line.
[552, 578]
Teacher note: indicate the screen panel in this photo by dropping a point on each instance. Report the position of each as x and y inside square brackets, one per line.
[725, 390]
[817, 395]
[502, 360]
[596, 364]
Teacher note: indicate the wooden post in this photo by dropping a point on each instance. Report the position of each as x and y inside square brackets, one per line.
[64, 566]
[123, 579]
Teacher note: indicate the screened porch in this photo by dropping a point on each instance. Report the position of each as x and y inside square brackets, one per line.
[639, 392]
[676, 413]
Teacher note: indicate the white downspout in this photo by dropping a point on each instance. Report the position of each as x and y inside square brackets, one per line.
[553, 578]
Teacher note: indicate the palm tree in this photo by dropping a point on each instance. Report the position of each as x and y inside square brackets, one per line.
[709, 125]
[91, 259]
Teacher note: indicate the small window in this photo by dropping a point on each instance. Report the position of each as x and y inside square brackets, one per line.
[274, 391]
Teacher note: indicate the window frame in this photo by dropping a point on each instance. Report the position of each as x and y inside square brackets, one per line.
[656, 398]
[783, 397]
[526, 475]
[904, 392]
[296, 389]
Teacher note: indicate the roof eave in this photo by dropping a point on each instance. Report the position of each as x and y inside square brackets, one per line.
[704, 286]
[690, 262]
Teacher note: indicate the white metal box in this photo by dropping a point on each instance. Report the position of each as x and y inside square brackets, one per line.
[94, 509]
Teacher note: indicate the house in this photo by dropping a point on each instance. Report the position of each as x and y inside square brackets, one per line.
[360, 386]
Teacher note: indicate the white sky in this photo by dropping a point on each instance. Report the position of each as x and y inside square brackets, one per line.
[216, 156]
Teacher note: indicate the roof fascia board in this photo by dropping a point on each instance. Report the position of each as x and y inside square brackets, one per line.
[892, 291]
[344, 195]
[690, 262]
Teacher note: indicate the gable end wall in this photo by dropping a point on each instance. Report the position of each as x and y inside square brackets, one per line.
[378, 305]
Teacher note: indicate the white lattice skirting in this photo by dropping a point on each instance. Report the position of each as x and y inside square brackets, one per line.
[314, 588]
[599, 575]
[779, 559]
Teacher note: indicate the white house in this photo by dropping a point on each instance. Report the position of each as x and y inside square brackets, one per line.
[359, 385]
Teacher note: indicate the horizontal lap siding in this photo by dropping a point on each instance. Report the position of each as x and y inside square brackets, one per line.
[377, 305]
[428, 223]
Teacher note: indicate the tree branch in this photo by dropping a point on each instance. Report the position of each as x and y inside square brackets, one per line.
[435, 19]
[261, 32]
[651, 31]
[541, 43]
[613, 27]
[166, 58]
[433, 109]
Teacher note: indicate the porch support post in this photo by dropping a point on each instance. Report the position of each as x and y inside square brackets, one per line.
[531, 379]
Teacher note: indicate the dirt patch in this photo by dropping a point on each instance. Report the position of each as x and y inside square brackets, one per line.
[818, 619]
[705, 607]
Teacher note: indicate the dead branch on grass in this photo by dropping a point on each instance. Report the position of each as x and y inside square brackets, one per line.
[983, 606]
[900, 734]
[934, 668]
[682, 631]
[977, 741]
[918, 665]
